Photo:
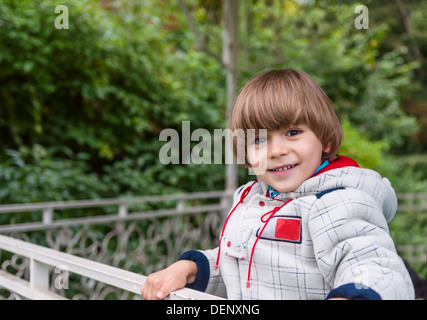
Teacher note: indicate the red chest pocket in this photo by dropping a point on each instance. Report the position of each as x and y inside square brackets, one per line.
[289, 229]
[283, 228]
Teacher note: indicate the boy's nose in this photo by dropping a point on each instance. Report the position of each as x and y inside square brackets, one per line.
[277, 148]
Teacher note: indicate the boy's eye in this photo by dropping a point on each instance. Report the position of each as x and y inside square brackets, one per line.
[260, 140]
[293, 132]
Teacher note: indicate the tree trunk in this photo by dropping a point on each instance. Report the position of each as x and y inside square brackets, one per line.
[231, 61]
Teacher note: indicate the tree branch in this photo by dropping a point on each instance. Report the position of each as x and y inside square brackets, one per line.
[414, 46]
[200, 44]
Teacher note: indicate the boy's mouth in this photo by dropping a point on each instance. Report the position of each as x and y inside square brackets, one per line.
[283, 168]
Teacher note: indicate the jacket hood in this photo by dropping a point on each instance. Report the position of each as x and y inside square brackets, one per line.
[341, 173]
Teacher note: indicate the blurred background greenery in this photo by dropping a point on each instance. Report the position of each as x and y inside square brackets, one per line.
[81, 109]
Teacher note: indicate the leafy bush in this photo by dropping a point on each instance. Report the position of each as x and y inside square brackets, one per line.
[95, 98]
[368, 154]
[31, 175]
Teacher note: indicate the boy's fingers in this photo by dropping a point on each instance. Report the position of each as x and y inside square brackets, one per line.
[163, 292]
[167, 288]
[144, 292]
[161, 295]
[155, 286]
[158, 285]
[150, 288]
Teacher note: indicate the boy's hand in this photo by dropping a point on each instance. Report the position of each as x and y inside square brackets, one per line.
[159, 284]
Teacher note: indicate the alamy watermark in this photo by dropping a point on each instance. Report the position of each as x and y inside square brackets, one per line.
[362, 20]
[61, 277]
[61, 21]
[362, 278]
[210, 148]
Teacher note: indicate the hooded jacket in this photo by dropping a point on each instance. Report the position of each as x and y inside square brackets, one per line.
[328, 238]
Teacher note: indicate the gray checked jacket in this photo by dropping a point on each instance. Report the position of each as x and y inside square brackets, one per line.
[328, 238]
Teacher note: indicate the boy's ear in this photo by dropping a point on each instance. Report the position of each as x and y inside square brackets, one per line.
[327, 148]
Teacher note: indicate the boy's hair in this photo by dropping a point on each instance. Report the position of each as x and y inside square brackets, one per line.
[284, 98]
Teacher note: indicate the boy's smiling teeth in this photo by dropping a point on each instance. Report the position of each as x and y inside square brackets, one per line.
[284, 168]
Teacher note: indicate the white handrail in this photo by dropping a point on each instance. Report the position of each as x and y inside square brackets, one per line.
[9, 208]
[417, 202]
[41, 258]
[107, 202]
[48, 220]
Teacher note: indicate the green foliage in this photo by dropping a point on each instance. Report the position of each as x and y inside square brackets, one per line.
[104, 89]
[406, 173]
[368, 154]
[82, 109]
[31, 175]
[416, 222]
[367, 86]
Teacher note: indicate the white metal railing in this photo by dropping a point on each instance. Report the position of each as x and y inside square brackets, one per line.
[408, 202]
[49, 220]
[412, 201]
[41, 258]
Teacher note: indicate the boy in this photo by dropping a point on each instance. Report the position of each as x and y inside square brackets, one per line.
[313, 225]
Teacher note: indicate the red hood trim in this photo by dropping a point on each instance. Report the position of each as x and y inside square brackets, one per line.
[338, 162]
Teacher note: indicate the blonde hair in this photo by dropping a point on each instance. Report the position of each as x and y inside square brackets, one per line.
[283, 98]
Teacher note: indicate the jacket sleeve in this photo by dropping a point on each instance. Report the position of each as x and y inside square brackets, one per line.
[207, 279]
[354, 250]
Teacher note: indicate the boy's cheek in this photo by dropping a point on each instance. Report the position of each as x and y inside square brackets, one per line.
[257, 157]
[258, 166]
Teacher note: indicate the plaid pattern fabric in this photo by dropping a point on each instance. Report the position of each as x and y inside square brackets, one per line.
[343, 239]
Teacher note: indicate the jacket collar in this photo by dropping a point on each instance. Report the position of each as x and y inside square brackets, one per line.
[337, 163]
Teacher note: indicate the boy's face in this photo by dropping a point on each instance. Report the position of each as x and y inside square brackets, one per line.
[286, 157]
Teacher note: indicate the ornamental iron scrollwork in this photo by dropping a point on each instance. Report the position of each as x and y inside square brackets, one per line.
[142, 246]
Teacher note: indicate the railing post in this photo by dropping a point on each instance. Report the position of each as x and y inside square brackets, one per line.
[180, 205]
[123, 210]
[226, 203]
[47, 215]
[39, 275]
